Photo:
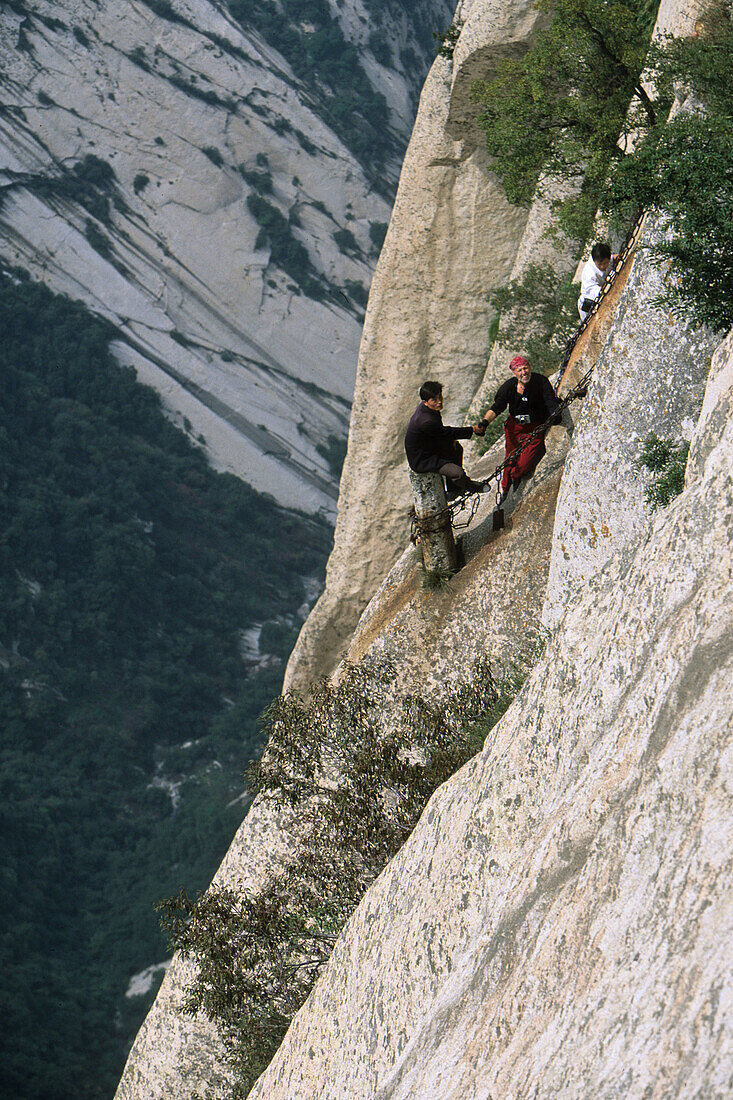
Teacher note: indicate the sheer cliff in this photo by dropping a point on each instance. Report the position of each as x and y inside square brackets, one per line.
[553, 925]
[427, 317]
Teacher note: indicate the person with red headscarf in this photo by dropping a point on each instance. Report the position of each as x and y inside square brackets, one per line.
[530, 399]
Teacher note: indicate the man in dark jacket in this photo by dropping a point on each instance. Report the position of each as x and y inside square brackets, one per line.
[433, 447]
[531, 400]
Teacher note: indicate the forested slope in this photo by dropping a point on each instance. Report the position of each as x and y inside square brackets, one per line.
[128, 569]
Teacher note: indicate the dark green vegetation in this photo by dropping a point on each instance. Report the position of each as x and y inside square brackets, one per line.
[538, 311]
[334, 451]
[213, 154]
[346, 242]
[259, 955]
[90, 182]
[291, 255]
[286, 251]
[566, 110]
[127, 569]
[668, 463]
[377, 233]
[259, 179]
[207, 95]
[311, 40]
[358, 294]
[681, 170]
[99, 240]
[561, 108]
[448, 40]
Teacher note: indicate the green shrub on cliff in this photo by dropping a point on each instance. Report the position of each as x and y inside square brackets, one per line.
[358, 763]
[128, 569]
[681, 171]
[570, 106]
[562, 107]
[667, 462]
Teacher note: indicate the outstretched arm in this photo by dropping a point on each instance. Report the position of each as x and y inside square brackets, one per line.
[480, 428]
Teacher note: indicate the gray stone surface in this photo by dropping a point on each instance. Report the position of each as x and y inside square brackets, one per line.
[555, 925]
[715, 410]
[267, 373]
[452, 237]
[649, 379]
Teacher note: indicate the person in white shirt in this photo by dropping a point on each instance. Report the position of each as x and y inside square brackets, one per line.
[592, 278]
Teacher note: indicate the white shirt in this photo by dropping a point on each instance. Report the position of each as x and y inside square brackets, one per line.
[591, 281]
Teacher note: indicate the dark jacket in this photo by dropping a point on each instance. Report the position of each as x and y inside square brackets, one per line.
[537, 403]
[429, 443]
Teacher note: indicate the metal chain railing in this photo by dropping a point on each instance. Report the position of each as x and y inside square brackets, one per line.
[421, 527]
[579, 389]
[618, 265]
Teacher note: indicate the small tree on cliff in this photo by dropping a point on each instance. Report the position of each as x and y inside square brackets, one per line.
[681, 169]
[569, 106]
[562, 108]
[359, 762]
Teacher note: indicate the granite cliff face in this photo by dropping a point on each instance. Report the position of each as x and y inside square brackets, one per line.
[452, 237]
[207, 131]
[553, 926]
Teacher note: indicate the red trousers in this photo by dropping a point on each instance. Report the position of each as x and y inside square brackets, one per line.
[514, 434]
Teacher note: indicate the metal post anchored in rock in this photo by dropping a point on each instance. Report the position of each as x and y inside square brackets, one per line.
[432, 524]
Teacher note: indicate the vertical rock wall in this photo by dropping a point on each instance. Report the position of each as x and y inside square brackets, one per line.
[649, 379]
[554, 926]
[452, 237]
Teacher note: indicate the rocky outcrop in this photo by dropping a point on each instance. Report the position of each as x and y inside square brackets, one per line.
[196, 115]
[452, 237]
[433, 640]
[553, 926]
